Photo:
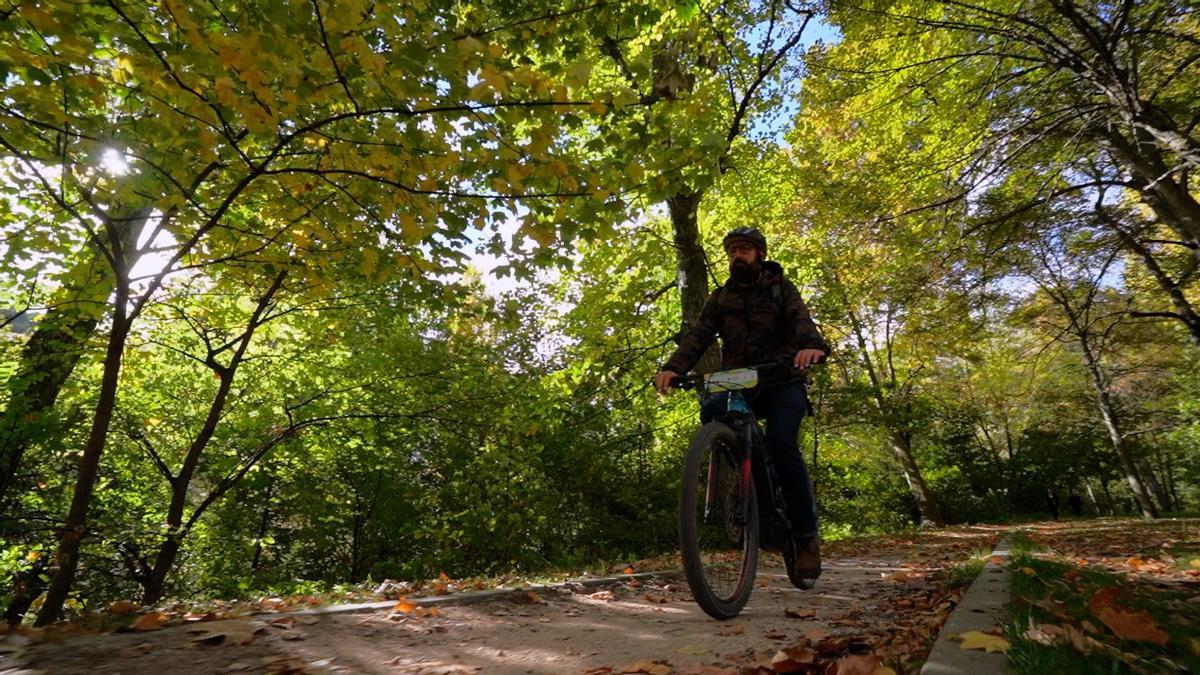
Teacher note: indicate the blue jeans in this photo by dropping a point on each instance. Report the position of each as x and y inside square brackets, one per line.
[783, 408]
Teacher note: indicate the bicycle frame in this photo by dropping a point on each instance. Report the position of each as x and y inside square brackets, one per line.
[751, 449]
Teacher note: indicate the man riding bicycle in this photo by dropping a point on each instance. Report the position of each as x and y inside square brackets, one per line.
[761, 317]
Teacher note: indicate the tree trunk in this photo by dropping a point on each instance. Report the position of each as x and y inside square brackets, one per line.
[691, 268]
[1109, 415]
[1154, 180]
[264, 524]
[55, 347]
[899, 441]
[66, 558]
[1092, 498]
[1156, 486]
[180, 484]
[900, 445]
[163, 562]
[1169, 472]
[1111, 504]
[1184, 311]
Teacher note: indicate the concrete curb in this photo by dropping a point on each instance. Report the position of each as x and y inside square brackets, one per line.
[470, 597]
[980, 609]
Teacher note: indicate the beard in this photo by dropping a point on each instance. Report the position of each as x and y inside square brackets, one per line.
[743, 272]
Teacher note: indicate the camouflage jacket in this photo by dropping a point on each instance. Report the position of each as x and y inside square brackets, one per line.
[756, 324]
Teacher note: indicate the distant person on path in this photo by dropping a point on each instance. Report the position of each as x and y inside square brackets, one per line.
[1052, 502]
[761, 318]
[1076, 503]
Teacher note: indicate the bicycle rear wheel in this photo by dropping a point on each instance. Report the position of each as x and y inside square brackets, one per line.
[720, 548]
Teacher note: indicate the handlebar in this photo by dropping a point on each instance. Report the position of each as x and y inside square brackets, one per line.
[693, 381]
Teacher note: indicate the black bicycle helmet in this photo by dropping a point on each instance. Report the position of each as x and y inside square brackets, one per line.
[750, 234]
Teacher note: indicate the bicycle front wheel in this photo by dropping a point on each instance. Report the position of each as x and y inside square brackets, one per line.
[718, 528]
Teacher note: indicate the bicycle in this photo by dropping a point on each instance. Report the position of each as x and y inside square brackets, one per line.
[719, 505]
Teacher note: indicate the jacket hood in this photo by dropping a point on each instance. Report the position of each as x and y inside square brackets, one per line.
[772, 271]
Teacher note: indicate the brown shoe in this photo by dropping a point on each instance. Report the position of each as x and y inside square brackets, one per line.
[807, 562]
[802, 560]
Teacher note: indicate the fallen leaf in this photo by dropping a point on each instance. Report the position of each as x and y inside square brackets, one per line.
[793, 659]
[731, 630]
[1039, 635]
[404, 606]
[1136, 626]
[231, 631]
[816, 634]
[997, 560]
[1027, 571]
[1104, 597]
[444, 577]
[629, 570]
[655, 599]
[857, 664]
[123, 607]
[1056, 608]
[604, 596]
[835, 645]
[648, 667]
[151, 621]
[975, 639]
[799, 613]
[526, 598]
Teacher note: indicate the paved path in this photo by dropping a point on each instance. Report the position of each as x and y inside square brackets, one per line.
[876, 603]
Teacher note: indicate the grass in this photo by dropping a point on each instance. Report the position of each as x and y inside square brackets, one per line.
[963, 573]
[1057, 593]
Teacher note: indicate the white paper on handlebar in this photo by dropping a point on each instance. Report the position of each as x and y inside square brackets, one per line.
[731, 380]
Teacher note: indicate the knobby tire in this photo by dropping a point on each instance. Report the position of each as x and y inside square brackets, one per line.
[710, 550]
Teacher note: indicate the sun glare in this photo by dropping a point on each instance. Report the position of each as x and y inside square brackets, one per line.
[114, 162]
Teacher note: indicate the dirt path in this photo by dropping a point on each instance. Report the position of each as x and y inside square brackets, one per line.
[886, 604]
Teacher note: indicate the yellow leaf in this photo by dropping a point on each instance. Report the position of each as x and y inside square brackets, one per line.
[979, 640]
[495, 79]
[579, 72]
[410, 228]
[404, 606]
[226, 95]
[370, 261]
[470, 45]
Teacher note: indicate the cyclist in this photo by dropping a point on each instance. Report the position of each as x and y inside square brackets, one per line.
[761, 318]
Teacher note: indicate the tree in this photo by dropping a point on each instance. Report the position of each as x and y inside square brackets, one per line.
[256, 129]
[1069, 271]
